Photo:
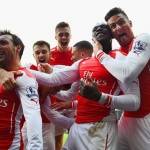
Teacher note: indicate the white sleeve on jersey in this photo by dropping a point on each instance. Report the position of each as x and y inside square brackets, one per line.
[69, 94]
[27, 91]
[67, 75]
[56, 117]
[130, 101]
[128, 69]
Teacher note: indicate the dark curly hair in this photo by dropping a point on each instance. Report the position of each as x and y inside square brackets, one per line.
[102, 34]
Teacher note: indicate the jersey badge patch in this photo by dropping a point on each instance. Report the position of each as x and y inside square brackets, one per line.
[139, 47]
[31, 92]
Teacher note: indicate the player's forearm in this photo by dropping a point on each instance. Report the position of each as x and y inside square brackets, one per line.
[126, 102]
[57, 78]
[57, 118]
[65, 95]
[129, 68]
[71, 93]
[124, 70]
[119, 68]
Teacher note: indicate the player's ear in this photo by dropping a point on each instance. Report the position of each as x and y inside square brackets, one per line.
[130, 22]
[82, 54]
[55, 37]
[18, 48]
[70, 36]
[33, 55]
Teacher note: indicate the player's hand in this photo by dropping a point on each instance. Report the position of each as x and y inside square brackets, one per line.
[45, 67]
[89, 89]
[7, 79]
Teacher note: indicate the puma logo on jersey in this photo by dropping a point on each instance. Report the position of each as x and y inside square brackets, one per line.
[3, 103]
[34, 100]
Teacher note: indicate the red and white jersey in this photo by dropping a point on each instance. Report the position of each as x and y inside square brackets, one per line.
[11, 114]
[129, 96]
[91, 68]
[136, 64]
[13, 104]
[61, 57]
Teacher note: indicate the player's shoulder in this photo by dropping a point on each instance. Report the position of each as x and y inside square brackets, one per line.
[116, 52]
[113, 53]
[26, 73]
[53, 49]
[143, 37]
[26, 79]
[70, 49]
[33, 67]
[29, 65]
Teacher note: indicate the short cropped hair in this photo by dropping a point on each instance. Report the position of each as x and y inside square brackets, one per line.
[61, 25]
[41, 43]
[84, 46]
[115, 11]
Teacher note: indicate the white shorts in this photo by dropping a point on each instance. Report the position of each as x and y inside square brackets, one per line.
[92, 136]
[134, 133]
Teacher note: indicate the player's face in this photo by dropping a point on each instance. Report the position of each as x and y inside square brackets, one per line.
[76, 55]
[41, 54]
[7, 51]
[63, 36]
[121, 28]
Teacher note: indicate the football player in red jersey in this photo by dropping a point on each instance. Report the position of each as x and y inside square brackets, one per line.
[61, 54]
[23, 100]
[41, 53]
[134, 126]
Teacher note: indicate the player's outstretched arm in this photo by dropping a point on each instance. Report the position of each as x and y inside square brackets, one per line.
[129, 68]
[56, 117]
[67, 75]
[130, 101]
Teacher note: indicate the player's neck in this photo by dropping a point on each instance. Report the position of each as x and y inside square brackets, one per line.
[14, 66]
[62, 48]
